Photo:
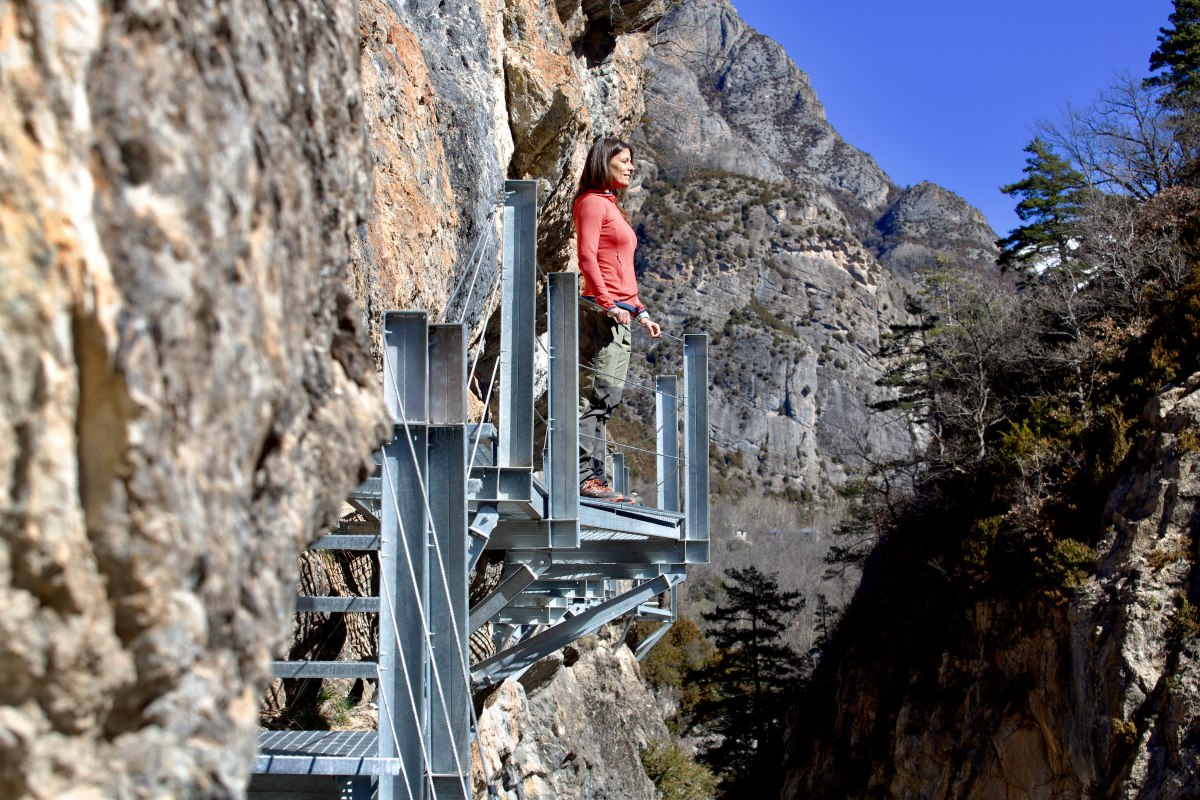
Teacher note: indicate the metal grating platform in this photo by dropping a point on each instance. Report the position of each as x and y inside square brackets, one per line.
[322, 753]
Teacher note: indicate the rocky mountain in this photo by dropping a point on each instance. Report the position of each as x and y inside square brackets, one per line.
[759, 224]
[928, 222]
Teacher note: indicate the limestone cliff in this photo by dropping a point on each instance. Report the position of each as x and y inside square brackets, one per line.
[462, 94]
[1093, 697]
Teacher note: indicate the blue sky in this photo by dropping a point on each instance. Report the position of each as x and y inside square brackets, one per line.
[947, 90]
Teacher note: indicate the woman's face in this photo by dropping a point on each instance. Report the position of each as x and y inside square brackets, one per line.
[620, 169]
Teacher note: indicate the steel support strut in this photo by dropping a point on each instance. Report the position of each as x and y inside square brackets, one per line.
[530, 651]
[403, 555]
[449, 723]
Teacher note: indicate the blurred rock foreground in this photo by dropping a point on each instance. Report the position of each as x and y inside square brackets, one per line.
[184, 390]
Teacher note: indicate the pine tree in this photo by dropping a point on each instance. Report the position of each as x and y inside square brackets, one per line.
[824, 623]
[749, 682]
[1177, 62]
[1177, 58]
[1051, 197]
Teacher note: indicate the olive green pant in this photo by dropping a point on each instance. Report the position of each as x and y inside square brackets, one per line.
[604, 346]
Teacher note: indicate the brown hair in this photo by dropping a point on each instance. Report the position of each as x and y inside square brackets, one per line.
[595, 175]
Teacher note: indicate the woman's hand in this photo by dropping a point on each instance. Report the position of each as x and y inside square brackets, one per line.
[619, 314]
[651, 327]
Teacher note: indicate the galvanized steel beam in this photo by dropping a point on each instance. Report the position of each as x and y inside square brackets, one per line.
[648, 643]
[619, 473]
[510, 587]
[580, 572]
[338, 605]
[562, 471]
[666, 416]
[326, 765]
[405, 366]
[616, 553]
[403, 555]
[341, 541]
[480, 530]
[449, 719]
[290, 670]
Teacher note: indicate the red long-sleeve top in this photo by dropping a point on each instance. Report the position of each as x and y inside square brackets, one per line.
[606, 246]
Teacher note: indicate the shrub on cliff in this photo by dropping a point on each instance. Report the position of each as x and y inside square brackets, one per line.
[676, 775]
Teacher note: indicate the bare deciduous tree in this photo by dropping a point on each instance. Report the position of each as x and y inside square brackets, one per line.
[1125, 142]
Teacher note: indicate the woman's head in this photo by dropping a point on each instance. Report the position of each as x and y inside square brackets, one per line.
[609, 165]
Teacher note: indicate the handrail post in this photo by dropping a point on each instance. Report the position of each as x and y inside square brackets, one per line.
[517, 324]
[620, 473]
[666, 413]
[562, 468]
[695, 443]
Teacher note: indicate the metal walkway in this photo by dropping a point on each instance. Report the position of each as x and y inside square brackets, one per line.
[447, 490]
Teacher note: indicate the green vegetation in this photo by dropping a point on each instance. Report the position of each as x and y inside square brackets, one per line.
[682, 651]
[676, 775]
[1185, 625]
[1177, 59]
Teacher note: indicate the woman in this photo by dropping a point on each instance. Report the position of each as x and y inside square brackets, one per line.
[609, 288]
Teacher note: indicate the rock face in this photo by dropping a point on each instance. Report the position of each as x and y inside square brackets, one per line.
[572, 728]
[1098, 700]
[928, 222]
[461, 95]
[725, 97]
[185, 391]
[797, 307]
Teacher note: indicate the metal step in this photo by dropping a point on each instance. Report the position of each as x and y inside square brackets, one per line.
[338, 605]
[325, 669]
[322, 753]
[337, 541]
[626, 518]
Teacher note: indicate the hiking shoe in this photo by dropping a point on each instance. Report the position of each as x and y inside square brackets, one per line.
[598, 489]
